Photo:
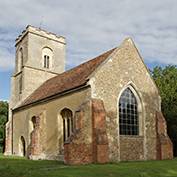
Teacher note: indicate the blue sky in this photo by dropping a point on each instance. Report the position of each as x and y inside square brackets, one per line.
[91, 27]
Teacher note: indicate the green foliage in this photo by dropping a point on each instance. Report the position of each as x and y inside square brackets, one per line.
[166, 80]
[3, 120]
[19, 167]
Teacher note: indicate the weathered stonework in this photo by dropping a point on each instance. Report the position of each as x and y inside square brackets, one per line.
[35, 149]
[30, 73]
[125, 68]
[89, 143]
[91, 92]
[78, 149]
[164, 144]
[8, 139]
[131, 148]
[50, 124]
[100, 139]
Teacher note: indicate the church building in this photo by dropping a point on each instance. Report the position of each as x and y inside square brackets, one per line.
[107, 109]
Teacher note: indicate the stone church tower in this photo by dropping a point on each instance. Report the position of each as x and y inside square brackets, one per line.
[40, 55]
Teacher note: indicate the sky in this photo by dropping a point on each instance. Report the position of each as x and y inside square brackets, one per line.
[91, 27]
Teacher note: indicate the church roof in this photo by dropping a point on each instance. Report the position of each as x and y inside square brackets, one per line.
[66, 81]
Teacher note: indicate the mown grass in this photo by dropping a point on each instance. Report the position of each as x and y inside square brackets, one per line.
[20, 167]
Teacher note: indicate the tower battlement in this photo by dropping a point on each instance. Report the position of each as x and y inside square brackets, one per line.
[40, 32]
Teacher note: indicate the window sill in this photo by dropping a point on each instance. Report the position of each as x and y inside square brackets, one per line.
[131, 136]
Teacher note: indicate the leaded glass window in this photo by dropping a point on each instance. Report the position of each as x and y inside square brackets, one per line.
[128, 113]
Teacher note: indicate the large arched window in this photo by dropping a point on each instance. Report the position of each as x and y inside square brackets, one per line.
[67, 123]
[47, 55]
[128, 113]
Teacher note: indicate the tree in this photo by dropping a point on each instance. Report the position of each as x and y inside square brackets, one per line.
[166, 80]
[3, 120]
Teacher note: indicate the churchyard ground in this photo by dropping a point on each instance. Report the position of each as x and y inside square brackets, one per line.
[20, 167]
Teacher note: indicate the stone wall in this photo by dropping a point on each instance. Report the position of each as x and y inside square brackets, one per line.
[78, 149]
[89, 143]
[31, 43]
[29, 65]
[51, 136]
[122, 69]
[8, 139]
[100, 139]
[35, 146]
[164, 144]
[131, 148]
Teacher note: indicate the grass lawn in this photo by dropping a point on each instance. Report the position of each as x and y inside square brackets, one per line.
[19, 167]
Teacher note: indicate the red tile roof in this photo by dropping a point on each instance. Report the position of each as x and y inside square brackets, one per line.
[68, 80]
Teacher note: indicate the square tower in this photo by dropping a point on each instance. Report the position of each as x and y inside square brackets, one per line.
[40, 55]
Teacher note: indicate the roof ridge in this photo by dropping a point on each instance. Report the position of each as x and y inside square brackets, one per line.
[67, 80]
[84, 63]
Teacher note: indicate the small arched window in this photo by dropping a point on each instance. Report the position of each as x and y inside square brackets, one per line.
[67, 123]
[47, 55]
[128, 113]
[34, 121]
[22, 146]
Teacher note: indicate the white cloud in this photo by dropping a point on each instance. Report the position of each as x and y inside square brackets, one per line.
[92, 26]
[6, 60]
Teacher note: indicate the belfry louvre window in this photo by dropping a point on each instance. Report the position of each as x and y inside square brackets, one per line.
[128, 113]
[46, 61]
[47, 57]
[67, 123]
